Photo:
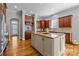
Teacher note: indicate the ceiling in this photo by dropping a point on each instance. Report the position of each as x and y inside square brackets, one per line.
[42, 9]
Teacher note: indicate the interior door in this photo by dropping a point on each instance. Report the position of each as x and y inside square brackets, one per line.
[14, 27]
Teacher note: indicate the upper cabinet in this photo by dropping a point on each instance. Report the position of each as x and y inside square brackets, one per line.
[28, 18]
[43, 24]
[38, 24]
[68, 21]
[65, 21]
[61, 22]
[48, 23]
[3, 7]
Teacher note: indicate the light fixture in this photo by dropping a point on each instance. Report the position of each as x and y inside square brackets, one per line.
[51, 9]
[31, 11]
[15, 6]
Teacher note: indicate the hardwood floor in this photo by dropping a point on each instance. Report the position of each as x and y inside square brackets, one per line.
[17, 47]
[72, 50]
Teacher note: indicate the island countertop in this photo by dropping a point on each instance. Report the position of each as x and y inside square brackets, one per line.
[49, 35]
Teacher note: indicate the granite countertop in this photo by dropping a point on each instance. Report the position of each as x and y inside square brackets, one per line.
[62, 30]
[49, 35]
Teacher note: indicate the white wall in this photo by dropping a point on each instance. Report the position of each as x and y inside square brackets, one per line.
[75, 20]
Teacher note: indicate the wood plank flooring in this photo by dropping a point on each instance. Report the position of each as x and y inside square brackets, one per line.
[72, 50]
[17, 47]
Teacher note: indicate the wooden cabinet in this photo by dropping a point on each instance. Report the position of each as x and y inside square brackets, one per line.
[28, 26]
[27, 35]
[43, 24]
[68, 21]
[65, 21]
[61, 22]
[3, 7]
[68, 38]
[28, 18]
[38, 24]
[47, 23]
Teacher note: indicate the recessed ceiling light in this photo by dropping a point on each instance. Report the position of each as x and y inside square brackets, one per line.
[15, 6]
[31, 11]
[51, 9]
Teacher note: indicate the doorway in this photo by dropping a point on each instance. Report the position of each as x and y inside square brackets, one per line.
[14, 27]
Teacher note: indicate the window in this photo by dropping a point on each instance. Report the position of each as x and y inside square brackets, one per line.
[54, 24]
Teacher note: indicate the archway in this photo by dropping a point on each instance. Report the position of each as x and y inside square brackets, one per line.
[14, 27]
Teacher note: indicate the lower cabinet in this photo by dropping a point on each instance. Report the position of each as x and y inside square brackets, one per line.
[48, 46]
[68, 38]
[27, 35]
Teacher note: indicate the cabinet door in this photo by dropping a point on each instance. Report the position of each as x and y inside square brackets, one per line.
[36, 41]
[42, 24]
[28, 18]
[67, 38]
[40, 44]
[65, 21]
[27, 35]
[61, 22]
[47, 46]
[33, 40]
[38, 24]
[68, 21]
[57, 45]
[3, 7]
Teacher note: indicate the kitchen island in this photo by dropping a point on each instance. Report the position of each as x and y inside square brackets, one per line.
[49, 44]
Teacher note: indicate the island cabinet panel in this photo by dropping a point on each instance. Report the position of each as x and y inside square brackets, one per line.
[61, 22]
[68, 21]
[39, 44]
[33, 40]
[65, 21]
[48, 46]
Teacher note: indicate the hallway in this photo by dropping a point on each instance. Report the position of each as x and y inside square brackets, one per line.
[18, 47]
